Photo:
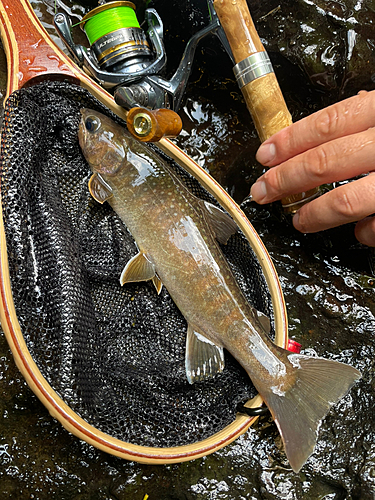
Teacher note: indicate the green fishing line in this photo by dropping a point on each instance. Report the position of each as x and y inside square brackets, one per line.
[110, 20]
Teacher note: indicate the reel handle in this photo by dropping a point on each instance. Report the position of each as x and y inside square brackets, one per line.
[257, 80]
[151, 125]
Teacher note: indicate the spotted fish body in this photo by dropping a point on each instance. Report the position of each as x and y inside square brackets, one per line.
[177, 236]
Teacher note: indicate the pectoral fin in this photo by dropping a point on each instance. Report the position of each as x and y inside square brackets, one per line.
[99, 189]
[221, 224]
[139, 268]
[203, 358]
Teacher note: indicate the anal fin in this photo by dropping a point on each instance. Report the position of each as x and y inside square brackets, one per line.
[203, 358]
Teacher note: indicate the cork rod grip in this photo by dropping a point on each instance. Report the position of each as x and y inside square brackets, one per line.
[266, 104]
[262, 95]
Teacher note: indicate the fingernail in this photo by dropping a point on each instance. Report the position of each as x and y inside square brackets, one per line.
[296, 221]
[258, 191]
[266, 153]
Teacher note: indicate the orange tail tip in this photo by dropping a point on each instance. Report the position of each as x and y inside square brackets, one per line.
[319, 384]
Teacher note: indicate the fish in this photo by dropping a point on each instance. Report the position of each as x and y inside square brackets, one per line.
[178, 236]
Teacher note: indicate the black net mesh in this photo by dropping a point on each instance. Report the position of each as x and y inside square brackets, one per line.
[115, 355]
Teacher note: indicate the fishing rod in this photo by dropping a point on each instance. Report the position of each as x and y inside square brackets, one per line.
[257, 80]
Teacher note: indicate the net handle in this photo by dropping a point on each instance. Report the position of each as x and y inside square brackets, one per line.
[33, 57]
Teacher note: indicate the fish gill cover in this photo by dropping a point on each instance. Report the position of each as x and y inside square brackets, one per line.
[115, 355]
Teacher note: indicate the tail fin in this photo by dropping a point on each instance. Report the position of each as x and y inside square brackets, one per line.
[318, 384]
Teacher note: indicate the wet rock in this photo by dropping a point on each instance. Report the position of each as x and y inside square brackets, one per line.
[332, 41]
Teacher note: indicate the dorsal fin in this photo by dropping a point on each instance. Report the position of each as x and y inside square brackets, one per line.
[222, 225]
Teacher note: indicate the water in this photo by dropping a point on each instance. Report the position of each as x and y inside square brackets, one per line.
[328, 287]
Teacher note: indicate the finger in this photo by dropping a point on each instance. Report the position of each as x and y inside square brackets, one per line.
[365, 231]
[341, 159]
[347, 117]
[352, 202]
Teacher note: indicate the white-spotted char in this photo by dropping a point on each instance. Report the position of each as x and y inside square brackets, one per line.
[177, 236]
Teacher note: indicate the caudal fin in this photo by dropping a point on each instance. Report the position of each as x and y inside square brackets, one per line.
[318, 384]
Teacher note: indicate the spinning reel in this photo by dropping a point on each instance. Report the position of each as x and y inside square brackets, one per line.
[127, 60]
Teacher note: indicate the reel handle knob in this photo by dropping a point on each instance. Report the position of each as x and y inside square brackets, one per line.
[150, 125]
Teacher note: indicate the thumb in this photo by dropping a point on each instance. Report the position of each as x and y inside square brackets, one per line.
[365, 231]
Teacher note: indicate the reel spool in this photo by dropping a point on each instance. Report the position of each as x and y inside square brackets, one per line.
[115, 36]
[120, 51]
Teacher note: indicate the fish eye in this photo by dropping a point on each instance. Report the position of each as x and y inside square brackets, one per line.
[92, 124]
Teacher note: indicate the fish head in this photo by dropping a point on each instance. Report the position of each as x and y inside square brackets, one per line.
[102, 142]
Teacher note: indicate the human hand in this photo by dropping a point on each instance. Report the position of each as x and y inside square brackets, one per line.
[334, 144]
